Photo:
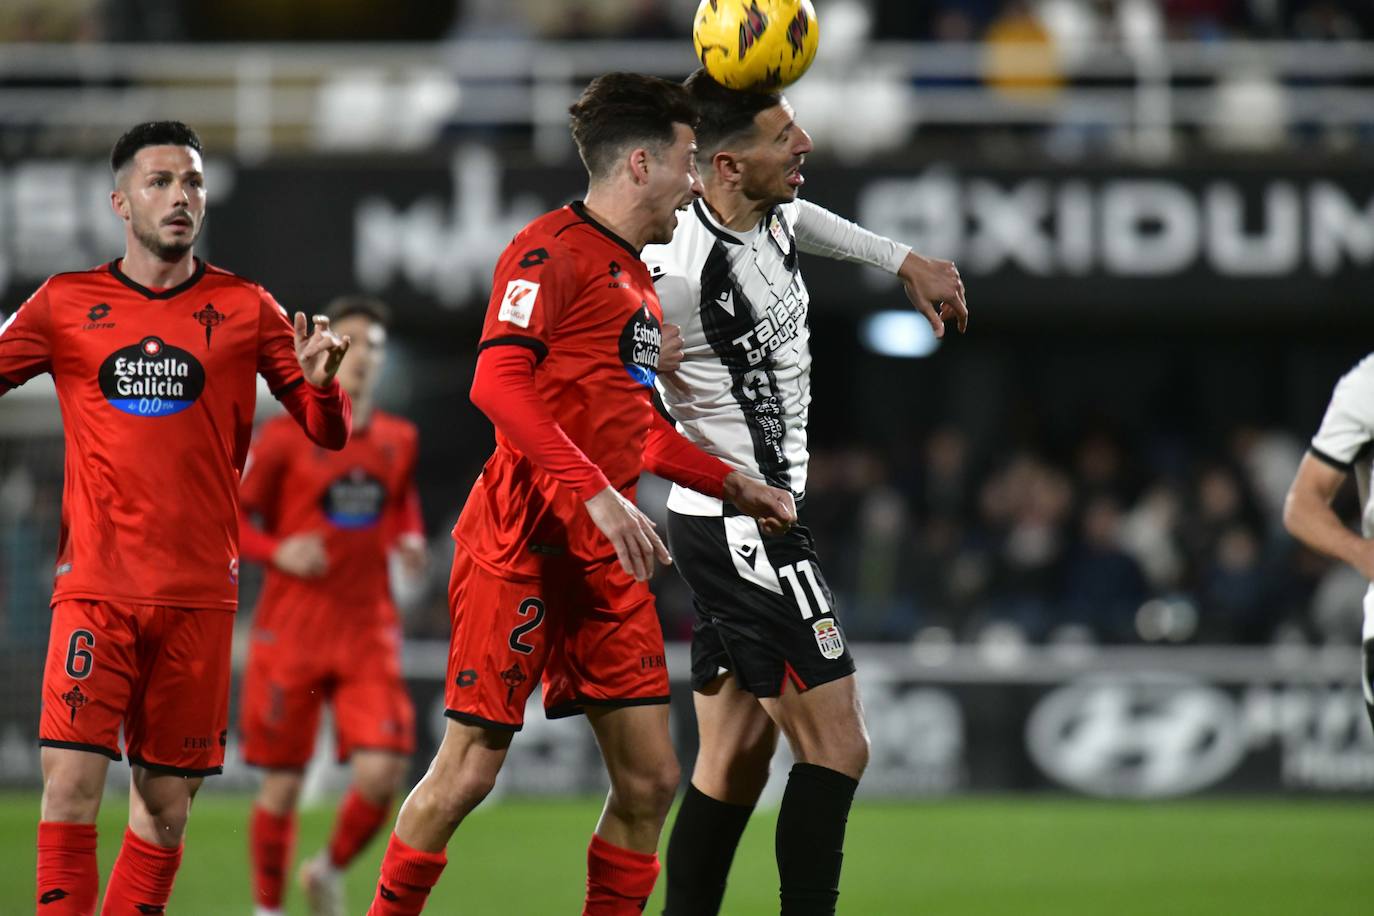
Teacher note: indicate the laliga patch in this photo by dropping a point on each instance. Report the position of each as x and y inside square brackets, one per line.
[779, 234]
[828, 638]
[518, 304]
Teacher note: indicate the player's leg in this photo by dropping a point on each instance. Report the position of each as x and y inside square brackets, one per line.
[362, 813]
[622, 860]
[736, 744]
[279, 714]
[769, 605]
[375, 724]
[497, 648]
[462, 773]
[87, 681]
[608, 662]
[825, 729]
[176, 731]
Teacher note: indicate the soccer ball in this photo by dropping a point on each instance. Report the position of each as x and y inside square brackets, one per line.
[763, 45]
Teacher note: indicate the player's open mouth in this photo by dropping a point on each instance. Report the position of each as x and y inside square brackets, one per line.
[794, 177]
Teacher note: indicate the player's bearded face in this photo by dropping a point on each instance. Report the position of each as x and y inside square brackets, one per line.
[772, 164]
[164, 193]
[674, 182]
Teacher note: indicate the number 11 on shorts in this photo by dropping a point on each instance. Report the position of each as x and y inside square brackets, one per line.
[791, 572]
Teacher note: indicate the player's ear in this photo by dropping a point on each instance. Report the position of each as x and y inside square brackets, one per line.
[639, 164]
[119, 203]
[728, 166]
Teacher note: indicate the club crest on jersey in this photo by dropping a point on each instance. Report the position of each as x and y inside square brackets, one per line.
[209, 318]
[151, 378]
[517, 305]
[354, 500]
[828, 638]
[640, 341]
[779, 234]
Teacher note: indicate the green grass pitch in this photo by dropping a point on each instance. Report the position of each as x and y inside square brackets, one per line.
[1020, 856]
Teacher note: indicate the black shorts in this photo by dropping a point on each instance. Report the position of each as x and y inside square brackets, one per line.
[764, 612]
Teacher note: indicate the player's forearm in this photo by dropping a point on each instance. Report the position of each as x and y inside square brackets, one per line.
[503, 389]
[671, 456]
[823, 233]
[1313, 522]
[254, 543]
[326, 414]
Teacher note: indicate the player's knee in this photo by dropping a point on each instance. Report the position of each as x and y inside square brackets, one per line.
[455, 797]
[71, 797]
[648, 793]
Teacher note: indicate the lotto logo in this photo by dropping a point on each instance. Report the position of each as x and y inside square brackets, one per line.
[517, 306]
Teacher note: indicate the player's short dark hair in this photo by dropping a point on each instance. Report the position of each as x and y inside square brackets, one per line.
[377, 311]
[151, 133]
[619, 111]
[724, 115]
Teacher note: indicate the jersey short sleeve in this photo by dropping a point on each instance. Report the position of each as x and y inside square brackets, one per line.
[535, 278]
[25, 344]
[277, 361]
[1348, 427]
[677, 285]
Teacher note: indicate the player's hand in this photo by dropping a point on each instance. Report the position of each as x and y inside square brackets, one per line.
[936, 289]
[302, 555]
[630, 531]
[775, 509]
[413, 553]
[320, 352]
[671, 352]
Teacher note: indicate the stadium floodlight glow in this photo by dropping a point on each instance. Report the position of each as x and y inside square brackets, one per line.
[901, 334]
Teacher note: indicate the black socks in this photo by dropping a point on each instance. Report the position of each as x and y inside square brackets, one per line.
[700, 850]
[810, 839]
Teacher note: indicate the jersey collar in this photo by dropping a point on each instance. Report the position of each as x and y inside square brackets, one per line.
[709, 221]
[580, 209]
[168, 293]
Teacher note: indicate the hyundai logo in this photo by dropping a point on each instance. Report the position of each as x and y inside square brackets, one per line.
[1136, 736]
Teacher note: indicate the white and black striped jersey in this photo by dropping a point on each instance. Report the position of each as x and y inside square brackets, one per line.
[744, 387]
[1346, 441]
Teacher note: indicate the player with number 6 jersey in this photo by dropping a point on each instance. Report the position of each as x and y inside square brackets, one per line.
[155, 357]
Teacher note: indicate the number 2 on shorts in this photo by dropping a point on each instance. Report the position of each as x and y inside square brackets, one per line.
[527, 607]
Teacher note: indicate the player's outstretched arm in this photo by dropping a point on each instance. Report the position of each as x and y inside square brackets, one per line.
[1308, 516]
[932, 284]
[936, 289]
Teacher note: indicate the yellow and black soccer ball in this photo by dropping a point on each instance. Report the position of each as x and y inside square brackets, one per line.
[762, 45]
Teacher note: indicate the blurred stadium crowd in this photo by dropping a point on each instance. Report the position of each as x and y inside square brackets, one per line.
[897, 20]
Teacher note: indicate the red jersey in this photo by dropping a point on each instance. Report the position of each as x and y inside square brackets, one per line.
[361, 499]
[157, 389]
[578, 297]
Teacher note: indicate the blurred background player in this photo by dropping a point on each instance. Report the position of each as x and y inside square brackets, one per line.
[155, 356]
[325, 629]
[1344, 443]
[765, 616]
[549, 574]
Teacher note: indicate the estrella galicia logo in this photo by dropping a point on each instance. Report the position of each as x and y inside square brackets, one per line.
[151, 379]
[640, 341]
[354, 500]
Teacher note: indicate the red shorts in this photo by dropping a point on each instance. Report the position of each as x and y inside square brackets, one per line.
[161, 672]
[591, 633]
[288, 680]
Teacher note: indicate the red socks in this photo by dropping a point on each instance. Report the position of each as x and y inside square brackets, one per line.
[68, 877]
[142, 878]
[619, 881]
[408, 875]
[271, 839]
[357, 823]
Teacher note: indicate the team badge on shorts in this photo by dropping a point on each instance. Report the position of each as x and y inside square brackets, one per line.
[828, 638]
[75, 699]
